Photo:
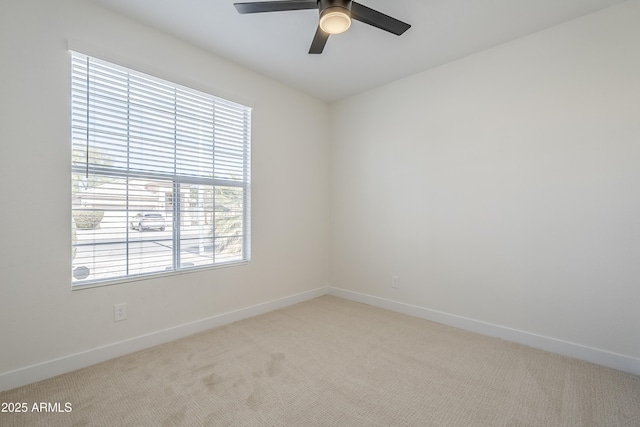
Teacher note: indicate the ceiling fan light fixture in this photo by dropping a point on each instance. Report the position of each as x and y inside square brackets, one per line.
[335, 20]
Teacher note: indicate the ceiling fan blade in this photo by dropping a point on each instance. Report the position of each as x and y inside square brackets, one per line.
[275, 6]
[319, 40]
[378, 19]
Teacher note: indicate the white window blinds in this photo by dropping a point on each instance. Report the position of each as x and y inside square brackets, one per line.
[160, 175]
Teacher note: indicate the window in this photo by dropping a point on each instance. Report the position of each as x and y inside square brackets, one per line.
[160, 175]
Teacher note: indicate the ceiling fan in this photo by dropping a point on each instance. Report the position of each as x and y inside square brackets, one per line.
[335, 16]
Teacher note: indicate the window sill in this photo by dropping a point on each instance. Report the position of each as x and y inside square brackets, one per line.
[108, 282]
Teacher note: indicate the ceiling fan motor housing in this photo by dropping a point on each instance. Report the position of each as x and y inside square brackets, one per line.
[325, 4]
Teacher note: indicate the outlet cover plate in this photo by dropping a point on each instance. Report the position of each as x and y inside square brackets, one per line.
[119, 312]
[395, 282]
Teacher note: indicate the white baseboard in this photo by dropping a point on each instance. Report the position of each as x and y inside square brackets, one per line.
[553, 345]
[52, 368]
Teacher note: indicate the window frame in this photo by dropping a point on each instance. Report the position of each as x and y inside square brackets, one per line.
[177, 181]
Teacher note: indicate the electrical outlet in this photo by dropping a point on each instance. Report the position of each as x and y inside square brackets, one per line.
[394, 282]
[119, 312]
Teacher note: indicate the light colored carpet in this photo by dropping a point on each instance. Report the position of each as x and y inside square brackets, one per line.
[332, 362]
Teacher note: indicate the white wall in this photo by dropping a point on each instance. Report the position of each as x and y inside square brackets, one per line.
[500, 188]
[41, 319]
[503, 187]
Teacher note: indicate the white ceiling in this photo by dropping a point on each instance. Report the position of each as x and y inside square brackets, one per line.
[276, 44]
